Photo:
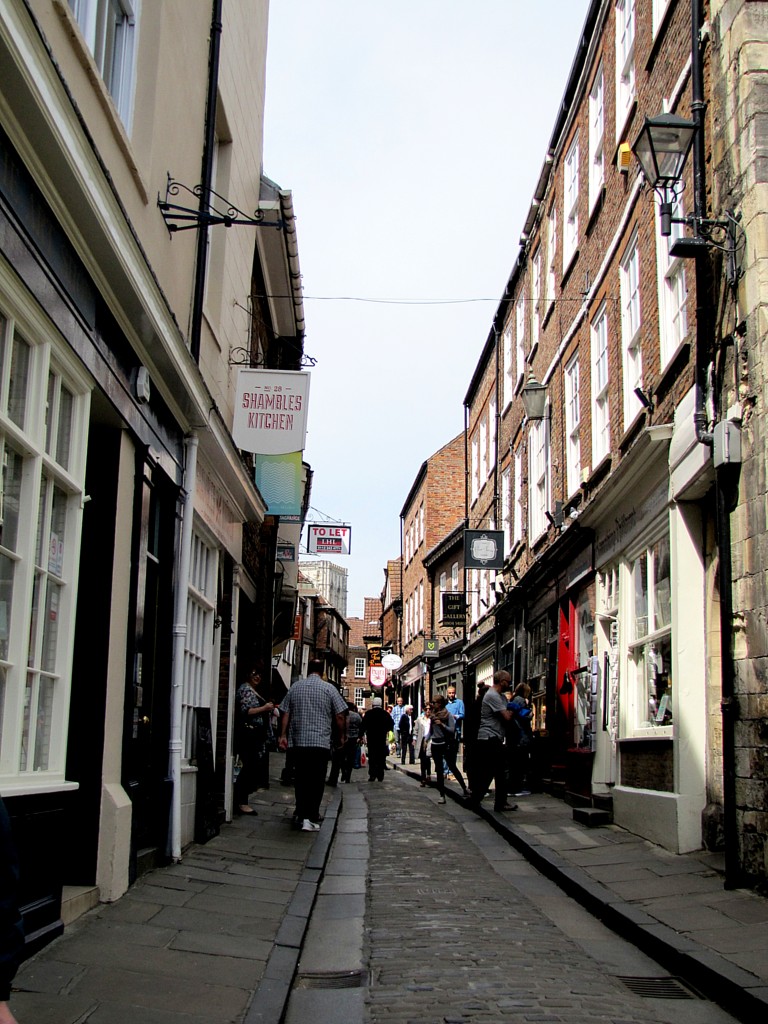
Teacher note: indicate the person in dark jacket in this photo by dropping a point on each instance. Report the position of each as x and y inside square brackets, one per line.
[377, 724]
[11, 925]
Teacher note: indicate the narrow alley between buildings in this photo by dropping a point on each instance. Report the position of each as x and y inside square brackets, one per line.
[402, 909]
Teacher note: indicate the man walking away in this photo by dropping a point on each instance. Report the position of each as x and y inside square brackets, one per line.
[309, 711]
[488, 758]
[377, 724]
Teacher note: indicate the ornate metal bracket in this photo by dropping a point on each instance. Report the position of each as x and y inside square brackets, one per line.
[215, 210]
[243, 357]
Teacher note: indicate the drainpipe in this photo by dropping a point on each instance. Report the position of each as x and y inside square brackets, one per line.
[179, 638]
[728, 700]
[206, 181]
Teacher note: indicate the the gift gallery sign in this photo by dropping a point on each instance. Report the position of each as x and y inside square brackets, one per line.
[271, 411]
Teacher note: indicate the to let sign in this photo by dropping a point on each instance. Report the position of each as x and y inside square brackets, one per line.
[329, 540]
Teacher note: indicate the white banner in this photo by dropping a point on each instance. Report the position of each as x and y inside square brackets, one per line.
[329, 540]
[271, 411]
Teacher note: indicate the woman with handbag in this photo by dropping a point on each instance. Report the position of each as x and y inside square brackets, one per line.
[254, 717]
[444, 746]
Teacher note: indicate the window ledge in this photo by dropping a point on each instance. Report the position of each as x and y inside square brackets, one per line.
[658, 35]
[548, 313]
[532, 354]
[569, 267]
[35, 786]
[599, 470]
[594, 212]
[672, 363]
[664, 732]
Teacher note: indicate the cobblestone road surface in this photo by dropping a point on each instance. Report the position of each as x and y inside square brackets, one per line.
[456, 932]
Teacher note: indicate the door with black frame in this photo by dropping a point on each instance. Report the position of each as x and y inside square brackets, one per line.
[148, 691]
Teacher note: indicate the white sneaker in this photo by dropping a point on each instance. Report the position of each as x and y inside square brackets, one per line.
[309, 826]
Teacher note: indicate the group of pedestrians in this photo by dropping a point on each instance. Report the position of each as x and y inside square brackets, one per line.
[317, 726]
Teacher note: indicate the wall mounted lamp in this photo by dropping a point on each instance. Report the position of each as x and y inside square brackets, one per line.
[662, 148]
[534, 396]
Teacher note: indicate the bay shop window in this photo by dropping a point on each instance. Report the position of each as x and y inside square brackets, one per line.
[43, 433]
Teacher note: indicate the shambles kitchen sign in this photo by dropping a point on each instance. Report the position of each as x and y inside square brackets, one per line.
[271, 411]
[329, 540]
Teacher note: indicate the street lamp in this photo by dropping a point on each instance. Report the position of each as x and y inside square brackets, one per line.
[534, 396]
[662, 147]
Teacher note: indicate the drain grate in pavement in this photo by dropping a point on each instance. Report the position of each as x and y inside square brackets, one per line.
[659, 988]
[333, 979]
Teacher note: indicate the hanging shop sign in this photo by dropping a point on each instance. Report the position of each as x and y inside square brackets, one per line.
[271, 411]
[279, 479]
[483, 549]
[454, 608]
[329, 540]
[392, 661]
[377, 675]
[431, 648]
[286, 553]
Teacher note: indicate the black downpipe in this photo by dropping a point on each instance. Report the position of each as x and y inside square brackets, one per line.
[723, 482]
[206, 181]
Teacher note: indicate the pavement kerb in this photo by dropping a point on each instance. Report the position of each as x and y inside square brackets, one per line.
[270, 999]
[735, 990]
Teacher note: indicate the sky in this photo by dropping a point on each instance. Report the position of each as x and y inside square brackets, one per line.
[411, 134]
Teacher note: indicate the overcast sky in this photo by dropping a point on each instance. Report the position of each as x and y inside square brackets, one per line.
[411, 134]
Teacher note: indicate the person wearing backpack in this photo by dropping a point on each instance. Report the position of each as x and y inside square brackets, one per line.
[519, 739]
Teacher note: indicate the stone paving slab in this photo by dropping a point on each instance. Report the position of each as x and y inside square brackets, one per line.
[190, 943]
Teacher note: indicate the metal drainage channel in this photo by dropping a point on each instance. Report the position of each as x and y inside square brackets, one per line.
[333, 979]
[659, 988]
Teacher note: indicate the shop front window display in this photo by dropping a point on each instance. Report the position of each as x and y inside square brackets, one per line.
[651, 650]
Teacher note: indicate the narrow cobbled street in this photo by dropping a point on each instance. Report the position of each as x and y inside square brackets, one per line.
[461, 928]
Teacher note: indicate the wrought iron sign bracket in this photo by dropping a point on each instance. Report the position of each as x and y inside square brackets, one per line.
[215, 210]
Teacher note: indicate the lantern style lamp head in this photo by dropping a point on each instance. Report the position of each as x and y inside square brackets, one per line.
[534, 396]
[662, 147]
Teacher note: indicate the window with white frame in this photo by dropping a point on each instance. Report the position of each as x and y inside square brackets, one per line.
[475, 448]
[455, 577]
[474, 581]
[421, 605]
[601, 416]
[506, 509]
[520, 336]
[110, 29]
[509, 365]
[359, 698]
[625, 60]
[483, 451]
[535, 297]
[650, 650]
[43, 434]
[572, 426]
[443, 588]
[596, 138]
[673, 289]
[360, 668]
[421, 522]
[517, 505]
[538, 477]
[551, 247]
[632, 357]
[491, 435]
[571, 203]
[407, 546]
[199, 642]
[659, 10]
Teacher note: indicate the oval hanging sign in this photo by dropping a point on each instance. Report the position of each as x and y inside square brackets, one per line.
[392, 662]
